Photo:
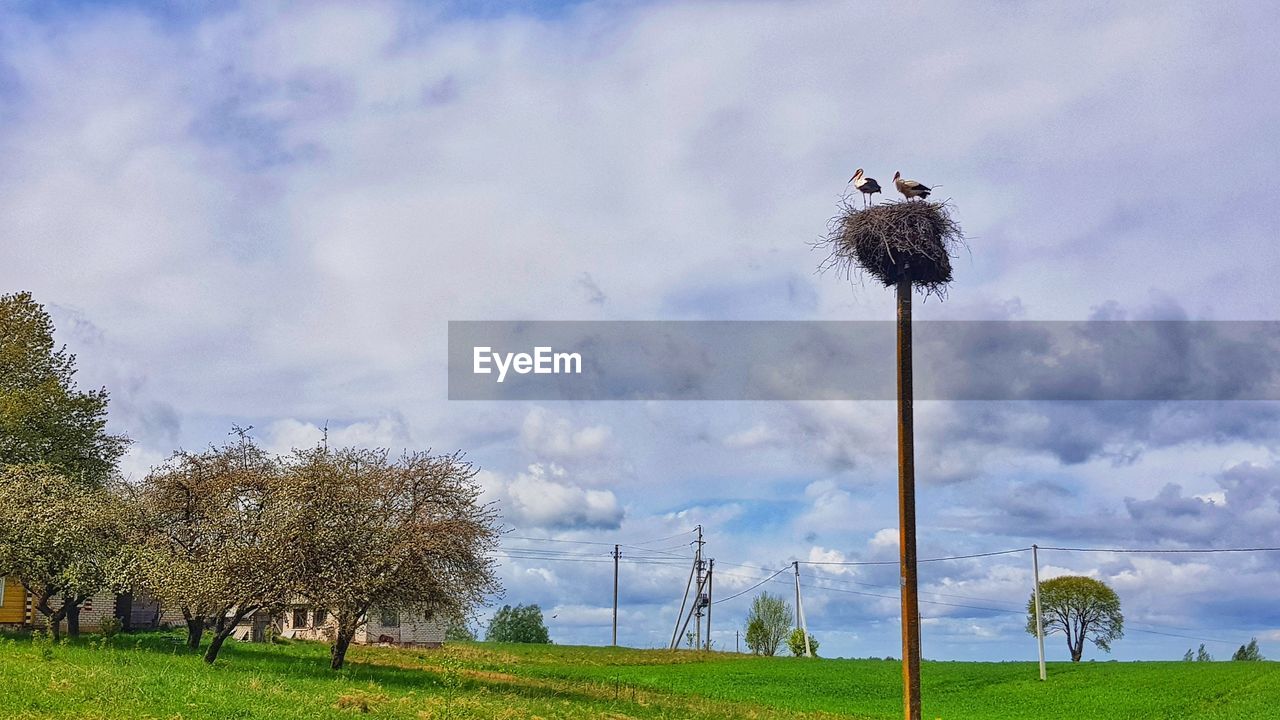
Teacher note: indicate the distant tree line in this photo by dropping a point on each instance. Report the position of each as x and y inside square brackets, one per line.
[225, 532]
[1248, 652]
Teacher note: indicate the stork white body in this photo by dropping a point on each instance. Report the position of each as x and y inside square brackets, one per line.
[910, 188]
[865, 185]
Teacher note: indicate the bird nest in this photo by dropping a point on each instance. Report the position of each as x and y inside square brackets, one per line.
[911, 239]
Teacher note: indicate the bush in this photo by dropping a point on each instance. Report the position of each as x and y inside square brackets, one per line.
[42, 641]
[795, 643]
[110, 627]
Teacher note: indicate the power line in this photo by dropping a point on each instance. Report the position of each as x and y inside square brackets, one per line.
[753, 587]
[924, 592]
[930, 602]
[1163, 551]
[669, 537]
[923, 560]
[558, 540]
[1187, 637]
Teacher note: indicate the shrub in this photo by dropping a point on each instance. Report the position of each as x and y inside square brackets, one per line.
[795, 643]
[110, 627]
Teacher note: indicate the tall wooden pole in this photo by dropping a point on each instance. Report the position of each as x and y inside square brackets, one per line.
[1035, 571]
[907, 511]
[617, 553]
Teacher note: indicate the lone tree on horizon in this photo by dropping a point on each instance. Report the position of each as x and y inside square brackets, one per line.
[768, 624]
[1081, 608]
[519, 624]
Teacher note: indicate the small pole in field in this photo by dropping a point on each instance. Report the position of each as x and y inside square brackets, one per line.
[737, 647]
[1035, 570]
[617, 553]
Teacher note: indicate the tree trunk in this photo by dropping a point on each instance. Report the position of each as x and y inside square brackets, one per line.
[54, 617]
[338, 653]
[223, 629]
[71, 608]
[215, 647]
[195, 629]
[1077, 648]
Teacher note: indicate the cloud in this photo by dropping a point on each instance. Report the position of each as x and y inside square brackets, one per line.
[555, 438]
[755, 436]
[542, 497]
[266, 215]
[389, 433]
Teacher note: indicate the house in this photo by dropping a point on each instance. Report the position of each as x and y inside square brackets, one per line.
[14, 609]
[304, 621]
[134, 611]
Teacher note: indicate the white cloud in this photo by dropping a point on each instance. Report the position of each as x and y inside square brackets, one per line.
[386, 433]
[543, 497]
[555, 438]
[757, 435]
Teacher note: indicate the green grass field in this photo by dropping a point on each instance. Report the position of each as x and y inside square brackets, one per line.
[152, 676]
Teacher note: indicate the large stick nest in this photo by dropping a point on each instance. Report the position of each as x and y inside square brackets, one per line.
[912, 238]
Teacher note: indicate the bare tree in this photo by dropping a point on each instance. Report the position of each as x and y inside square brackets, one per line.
[368, 532]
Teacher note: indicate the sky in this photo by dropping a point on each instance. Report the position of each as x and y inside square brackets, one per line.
[266, 214]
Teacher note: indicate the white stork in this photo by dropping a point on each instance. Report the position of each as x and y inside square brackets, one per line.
[910, 188]
[865, 185]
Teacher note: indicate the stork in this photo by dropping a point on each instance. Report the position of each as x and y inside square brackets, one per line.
[910, 188]
[865, 185]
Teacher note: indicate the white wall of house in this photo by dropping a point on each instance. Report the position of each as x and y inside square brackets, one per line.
[413, 627]
[410, 627]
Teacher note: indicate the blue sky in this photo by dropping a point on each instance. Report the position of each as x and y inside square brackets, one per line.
[267, 214]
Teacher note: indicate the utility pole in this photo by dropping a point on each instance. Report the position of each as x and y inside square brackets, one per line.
[700, 598]
[617, 553]
[711, 577]
[1035, 571]
[800, 622]
[737, 647]
[695, 607]
[907, 509]
[679, 616]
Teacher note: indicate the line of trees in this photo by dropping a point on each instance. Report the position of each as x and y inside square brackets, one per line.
[1249, 652]
[221, 534]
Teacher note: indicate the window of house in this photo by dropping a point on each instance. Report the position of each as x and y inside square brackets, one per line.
[320, 616]
[299, 617]
[390, 618]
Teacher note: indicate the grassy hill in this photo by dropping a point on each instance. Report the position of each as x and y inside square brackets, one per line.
[152, 676]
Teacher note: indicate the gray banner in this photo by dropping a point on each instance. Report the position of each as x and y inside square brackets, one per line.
[954, 360]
